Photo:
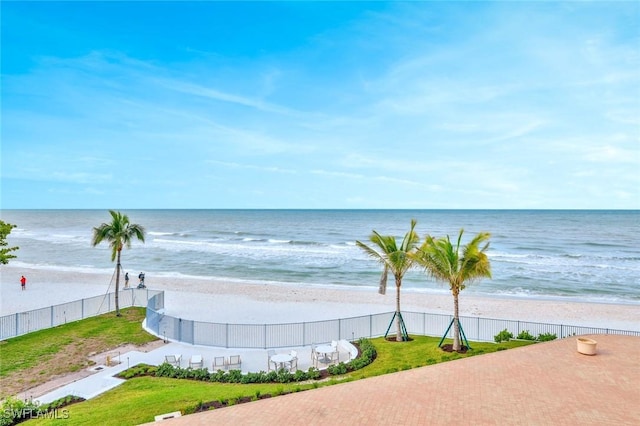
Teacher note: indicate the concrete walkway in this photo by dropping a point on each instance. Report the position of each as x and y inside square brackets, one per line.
[543, 384]
[102, 380]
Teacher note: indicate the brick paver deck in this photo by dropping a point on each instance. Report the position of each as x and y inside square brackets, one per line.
[543, 384]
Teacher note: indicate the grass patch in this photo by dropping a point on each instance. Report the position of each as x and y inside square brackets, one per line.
[140, 399]
[422, 351]
[36, 357]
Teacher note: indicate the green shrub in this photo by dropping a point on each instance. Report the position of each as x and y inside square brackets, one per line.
[166, 370]
[546, 337]
[234, 376]
[14, 411]
[503, 336]
[525, 335]
[138, 371]
[313, 374]
[338, 369]
[284, 376]
[300, 376]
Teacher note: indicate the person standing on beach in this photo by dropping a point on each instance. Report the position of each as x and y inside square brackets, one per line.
[23, 282]
[126, 280]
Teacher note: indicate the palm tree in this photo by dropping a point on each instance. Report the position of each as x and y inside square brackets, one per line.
[119, 234]
[443, 262]
[396, 259]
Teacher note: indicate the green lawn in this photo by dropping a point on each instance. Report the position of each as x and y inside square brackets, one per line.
[34, 358]
[140, 399]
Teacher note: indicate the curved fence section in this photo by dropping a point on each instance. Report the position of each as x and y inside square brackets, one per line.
[261, 336]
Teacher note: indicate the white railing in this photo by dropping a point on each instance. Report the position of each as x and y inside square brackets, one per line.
[306, 333]
[38, 319]
[273, 335]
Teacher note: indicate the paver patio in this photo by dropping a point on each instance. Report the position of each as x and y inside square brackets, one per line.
[543, 384]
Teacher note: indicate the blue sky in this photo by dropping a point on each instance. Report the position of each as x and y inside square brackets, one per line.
[455, 105]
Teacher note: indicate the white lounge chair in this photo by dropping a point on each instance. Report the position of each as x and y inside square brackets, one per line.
[173, 360]
[196, 361]
[234, 361]
[219, 364]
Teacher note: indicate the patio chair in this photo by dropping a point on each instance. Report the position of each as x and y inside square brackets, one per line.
[314, 355]
[335, 355]
[173, 360]
[293, 364]
[196, 361]
[219, 364]
[234, 361]
[271, 353]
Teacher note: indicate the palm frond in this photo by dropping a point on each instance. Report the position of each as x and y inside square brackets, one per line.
[118, 233]
[382, 289]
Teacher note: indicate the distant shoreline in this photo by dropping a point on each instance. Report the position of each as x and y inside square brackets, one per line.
[163, 276]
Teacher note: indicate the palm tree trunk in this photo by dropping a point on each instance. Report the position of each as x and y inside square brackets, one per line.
[456, 322]
[398, 317]
[118, 284]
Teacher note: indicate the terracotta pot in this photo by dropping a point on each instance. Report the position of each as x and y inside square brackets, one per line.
[586, 346]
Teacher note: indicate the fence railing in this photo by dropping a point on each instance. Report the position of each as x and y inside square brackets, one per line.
[273, 335]
[38, 319]
[306, 333]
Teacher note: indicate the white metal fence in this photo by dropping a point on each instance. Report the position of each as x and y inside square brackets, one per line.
[26, 322]
[306, 333]
[273, 335]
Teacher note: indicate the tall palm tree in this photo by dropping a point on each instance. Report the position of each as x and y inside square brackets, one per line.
[445, 263]
[397, 260]
[119, 234]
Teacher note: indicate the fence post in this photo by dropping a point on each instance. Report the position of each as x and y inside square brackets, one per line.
[424, 323]
[17, 323]
[51, 309]
[370, 325]
[82, 308]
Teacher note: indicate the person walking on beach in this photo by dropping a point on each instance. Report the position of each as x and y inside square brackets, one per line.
[23, 282]
[141, 277]
[126, 280]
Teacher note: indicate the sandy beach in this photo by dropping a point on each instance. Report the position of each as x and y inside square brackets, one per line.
[259, 303]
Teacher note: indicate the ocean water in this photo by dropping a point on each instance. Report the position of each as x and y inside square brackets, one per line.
[578, 255]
